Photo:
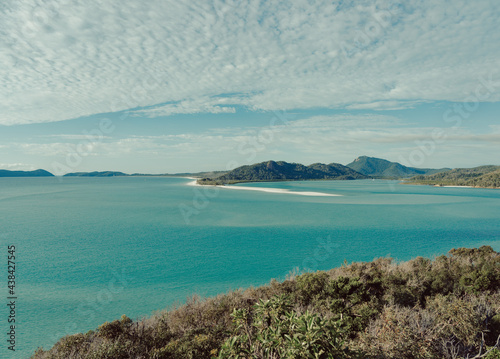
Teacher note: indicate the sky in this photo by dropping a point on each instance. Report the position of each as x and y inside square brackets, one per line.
[187, 86]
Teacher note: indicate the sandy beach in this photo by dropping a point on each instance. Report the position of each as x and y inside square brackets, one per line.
[192, 183]
[271, 190]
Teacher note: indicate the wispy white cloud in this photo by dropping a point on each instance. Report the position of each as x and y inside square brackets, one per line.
[199, 105]
[317, 134]
[330, 138]
[74, 58]
[74, 136]
[384, 105]
[17, 166]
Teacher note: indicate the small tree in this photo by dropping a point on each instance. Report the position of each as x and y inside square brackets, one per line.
[276, 331]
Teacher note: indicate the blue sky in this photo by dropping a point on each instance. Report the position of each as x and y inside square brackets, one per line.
[177, 86]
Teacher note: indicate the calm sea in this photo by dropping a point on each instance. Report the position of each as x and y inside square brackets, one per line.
[91, 249]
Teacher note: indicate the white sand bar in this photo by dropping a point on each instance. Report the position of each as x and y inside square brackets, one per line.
[273, 190]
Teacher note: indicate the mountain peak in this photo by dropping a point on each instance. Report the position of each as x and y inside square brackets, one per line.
[378, 167]
[284, 171]
[360, 158]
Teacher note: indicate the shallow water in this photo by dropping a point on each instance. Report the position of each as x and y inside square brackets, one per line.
[92, 249]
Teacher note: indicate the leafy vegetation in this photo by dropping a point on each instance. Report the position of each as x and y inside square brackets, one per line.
[483, 176]
[448, 307]
[284, 171]
[277, 331]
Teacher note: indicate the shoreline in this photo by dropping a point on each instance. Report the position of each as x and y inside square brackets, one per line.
[192, 183]
[444, 186]
[269, 190]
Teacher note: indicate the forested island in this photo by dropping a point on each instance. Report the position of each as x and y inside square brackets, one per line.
[284, 171]
[482, 176]
[383, 169]
[448, 307]
[363, 167]
[36, 173]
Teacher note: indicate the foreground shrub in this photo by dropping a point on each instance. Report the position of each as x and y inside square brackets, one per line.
[276, 331]
[450, 327]
[448, 307]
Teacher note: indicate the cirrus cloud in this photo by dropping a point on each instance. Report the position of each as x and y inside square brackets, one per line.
[71, 58]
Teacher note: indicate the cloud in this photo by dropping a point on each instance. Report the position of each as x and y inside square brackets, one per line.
[383, 105]
[334, 138]
[200, 105]
[17, 166]
[45, 149]
[313, 135]
[74, 137]
[76, 58]
[164, 145]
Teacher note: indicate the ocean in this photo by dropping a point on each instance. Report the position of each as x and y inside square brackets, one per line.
[91, 249]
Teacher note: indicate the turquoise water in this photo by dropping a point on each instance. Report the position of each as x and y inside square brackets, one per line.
[92, 249]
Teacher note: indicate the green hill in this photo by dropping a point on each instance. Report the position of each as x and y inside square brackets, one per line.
[284, 171]
[448, 307]
[36, 173]
[488, 180]
[482, 176]
[380, 168]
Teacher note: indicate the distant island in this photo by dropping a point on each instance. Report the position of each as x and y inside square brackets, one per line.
[36, 173]
[363, 167]
[121, 174]
[422, 308]
[96, 174]
[482, 176]
[380, 168]
[284, 171]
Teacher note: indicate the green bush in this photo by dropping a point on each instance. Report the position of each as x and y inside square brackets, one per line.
[114, 329]
[441, 308]
[275, 331]
[310, 287]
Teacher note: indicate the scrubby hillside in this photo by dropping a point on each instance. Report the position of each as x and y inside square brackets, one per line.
[380, 168]
[36, 173]
[483, 176]
[284, 171]
[448, 307]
